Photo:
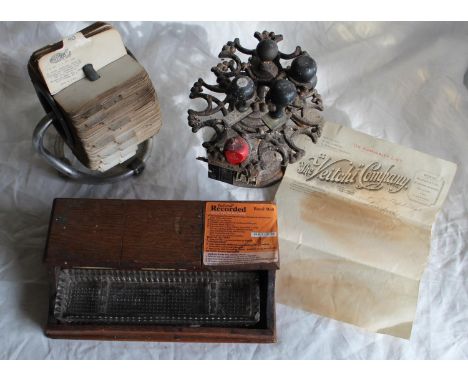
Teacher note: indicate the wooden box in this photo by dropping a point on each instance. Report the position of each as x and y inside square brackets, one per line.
[140, 270]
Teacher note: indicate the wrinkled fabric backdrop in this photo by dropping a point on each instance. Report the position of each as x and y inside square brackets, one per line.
[404, 82]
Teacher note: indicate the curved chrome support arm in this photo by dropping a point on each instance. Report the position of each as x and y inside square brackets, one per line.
[135, 167]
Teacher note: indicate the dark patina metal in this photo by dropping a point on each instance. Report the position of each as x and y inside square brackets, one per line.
[268, 101]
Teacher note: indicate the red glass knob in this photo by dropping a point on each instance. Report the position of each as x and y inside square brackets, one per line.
[236, 150]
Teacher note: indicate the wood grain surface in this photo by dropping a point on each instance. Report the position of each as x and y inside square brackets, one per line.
[143, 234]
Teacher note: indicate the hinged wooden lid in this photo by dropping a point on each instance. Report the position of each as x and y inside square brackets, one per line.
[125, 233]
[146, 234]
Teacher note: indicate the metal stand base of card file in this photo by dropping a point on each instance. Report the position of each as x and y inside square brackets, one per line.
[132, 167]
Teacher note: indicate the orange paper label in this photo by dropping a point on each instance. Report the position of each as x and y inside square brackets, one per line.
[240, 233]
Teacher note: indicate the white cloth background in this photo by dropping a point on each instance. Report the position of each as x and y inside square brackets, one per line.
[404, 82]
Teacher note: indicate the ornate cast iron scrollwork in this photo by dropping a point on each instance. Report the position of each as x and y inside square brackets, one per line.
[263, 105]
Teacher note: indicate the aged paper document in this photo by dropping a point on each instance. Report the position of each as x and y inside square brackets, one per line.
[355, 217]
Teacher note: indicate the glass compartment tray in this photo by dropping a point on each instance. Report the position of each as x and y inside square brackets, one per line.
[104, 296]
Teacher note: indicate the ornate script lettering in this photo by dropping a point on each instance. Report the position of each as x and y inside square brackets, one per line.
[372, 176]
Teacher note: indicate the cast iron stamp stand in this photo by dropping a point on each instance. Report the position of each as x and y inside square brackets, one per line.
[266, 105]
